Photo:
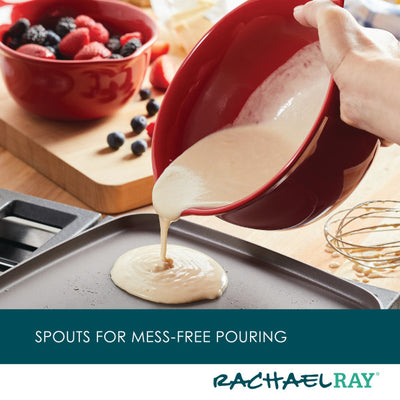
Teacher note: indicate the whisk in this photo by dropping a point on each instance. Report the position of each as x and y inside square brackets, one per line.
[368, 234]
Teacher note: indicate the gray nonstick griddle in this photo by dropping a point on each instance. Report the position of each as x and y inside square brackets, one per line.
[76, 273]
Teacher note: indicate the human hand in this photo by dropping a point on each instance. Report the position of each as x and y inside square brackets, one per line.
[365, 64]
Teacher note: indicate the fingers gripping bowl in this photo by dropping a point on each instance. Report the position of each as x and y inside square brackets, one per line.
[212, 86]
[75, 89]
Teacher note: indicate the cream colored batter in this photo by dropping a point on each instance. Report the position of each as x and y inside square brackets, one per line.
[193, 276]
[223, 168]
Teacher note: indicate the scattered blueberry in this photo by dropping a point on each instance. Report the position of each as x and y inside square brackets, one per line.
[139, 147]
[19, 28]
[115, 140]
[115, 56]
[65, 25]
[52, 39]
[114, 44]
[130, 47]
[36, 34]
[145, 94]
[138, 124]
[152, 107]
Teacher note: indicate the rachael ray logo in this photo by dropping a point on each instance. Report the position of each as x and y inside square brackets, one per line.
[276, 381]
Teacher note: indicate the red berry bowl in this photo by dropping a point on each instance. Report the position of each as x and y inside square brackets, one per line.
[211, 87]
[75, 89]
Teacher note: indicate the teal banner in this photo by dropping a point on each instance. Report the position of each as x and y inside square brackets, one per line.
[199, 337]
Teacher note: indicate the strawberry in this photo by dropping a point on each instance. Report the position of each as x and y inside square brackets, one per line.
[36, 50]
[73, 42]
[162, 71]
[158, 49]
[98, 33]
[84, 21]
[92, 50]
[128, 36]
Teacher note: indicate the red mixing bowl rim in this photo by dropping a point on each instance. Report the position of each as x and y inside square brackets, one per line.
[149, 22]
[285, 169]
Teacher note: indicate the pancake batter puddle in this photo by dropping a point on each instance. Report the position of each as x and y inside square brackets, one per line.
[193, 275]
[223, 168]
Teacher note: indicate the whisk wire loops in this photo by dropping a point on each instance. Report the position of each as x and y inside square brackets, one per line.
[368, 234]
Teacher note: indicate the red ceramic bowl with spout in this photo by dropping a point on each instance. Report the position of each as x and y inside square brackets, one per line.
[210, 89]
[75, 90]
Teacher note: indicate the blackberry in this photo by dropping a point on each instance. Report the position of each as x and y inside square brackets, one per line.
[14, 43]
[145, 94]
[19, 28]
[138, 124]
[36, 34]
[115, 140]
[139, 147]
[52, 39]
[115, 56]
[65, 25]
[11, 42]
[152, 107]
[114, 44]
[130, 47]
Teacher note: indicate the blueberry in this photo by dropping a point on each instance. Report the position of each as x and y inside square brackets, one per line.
[152, 107]
[114, 44]
[65, 25]
[130, 47]
[139, 147]
[115, 56]
[19, 28]
[115, 140]
[145, 94]
[36, 34]
[52, 39]
[52, 49]
[138, 124]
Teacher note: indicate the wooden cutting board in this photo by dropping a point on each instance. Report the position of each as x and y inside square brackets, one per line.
[75, 155]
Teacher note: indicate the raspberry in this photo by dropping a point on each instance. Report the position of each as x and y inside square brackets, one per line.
[150, 129]
[65, 25]
[92, 50]
[36, 50]
[98, 33]
[128, 36]
[84, 21]
[130, 47]
[74, 41]
[36, 34]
